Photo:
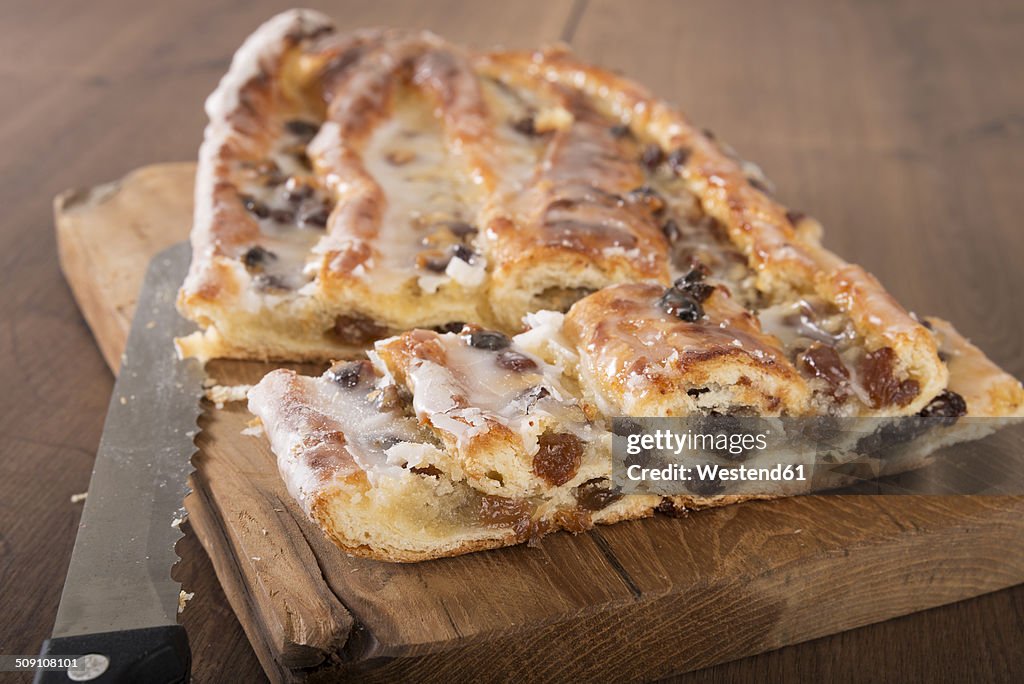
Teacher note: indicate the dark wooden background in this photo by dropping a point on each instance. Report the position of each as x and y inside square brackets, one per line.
[899, 125]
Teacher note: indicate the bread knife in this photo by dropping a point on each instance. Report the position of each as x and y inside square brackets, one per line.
[118, 612]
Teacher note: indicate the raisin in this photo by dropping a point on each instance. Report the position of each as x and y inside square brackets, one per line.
[347, 373]
[462, 252]
[357, 329]
[558, 458]
[270, 283]
[532, 395]
[427, 471]
[668, 507]
[267, 172]
[514, 361]
[701, 291]
[593, 495]
[682, 305]
[877, 370]
[671, 231]
[947, 404]
[525, 125]
[795, 217]
[295, 190]
[257, 257]
[450, 327]
[678, 157]
[822, 361]
[619, 131]
[315, 218]
[302, 159]
[461, 229]
[433, 260]
[692, 284]
[301, 128]
[757, 184]
[647, 197]
[501, 511]
[652, 156]
[393, 398]
[891, 434]
[282, 215]
[254, 206]
[492, 340]
[696, 274]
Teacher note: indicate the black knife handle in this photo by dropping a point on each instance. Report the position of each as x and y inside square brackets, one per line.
[153, 654]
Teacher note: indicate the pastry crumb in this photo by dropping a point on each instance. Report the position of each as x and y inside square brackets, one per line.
[223, 394]
[183, 598]
[254, 428]
[79, 498]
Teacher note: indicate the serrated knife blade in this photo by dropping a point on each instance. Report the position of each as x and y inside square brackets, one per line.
[119, 605]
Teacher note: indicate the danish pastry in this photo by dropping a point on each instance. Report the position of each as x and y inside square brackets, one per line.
[520, 247]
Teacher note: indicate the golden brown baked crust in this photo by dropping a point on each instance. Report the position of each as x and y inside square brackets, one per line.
[639, 360]
[375, 457]
[467, 186]
[353, 187]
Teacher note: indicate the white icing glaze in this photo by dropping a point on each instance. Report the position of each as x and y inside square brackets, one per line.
[423, 186]
[370, 434]
[470, 391]
[544, 338]
[262, 48]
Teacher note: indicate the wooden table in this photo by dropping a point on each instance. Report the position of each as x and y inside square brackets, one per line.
[898, 125]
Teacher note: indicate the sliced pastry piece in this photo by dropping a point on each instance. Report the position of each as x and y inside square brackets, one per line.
[381, 486]
[645, 350]
[506, 416]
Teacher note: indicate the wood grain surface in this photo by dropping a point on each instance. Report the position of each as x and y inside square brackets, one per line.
[899, 125]
[727, 583]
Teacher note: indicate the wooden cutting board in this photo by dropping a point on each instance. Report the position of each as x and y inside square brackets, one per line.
[637, 600]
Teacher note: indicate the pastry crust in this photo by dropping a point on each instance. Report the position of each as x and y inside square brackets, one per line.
[387, 480]
[638, 360]
[473, 187]
[393, 502]
[358, 193]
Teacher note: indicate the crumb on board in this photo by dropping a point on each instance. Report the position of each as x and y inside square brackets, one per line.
[254, 428]
[79, 498]
[222, 394]
[183, 598]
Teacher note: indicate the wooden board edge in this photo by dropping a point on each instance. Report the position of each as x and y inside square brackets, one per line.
[225, 566]
[105, 298]
[687, 640]
[664, 628]
[109, 332]
[269, 620]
